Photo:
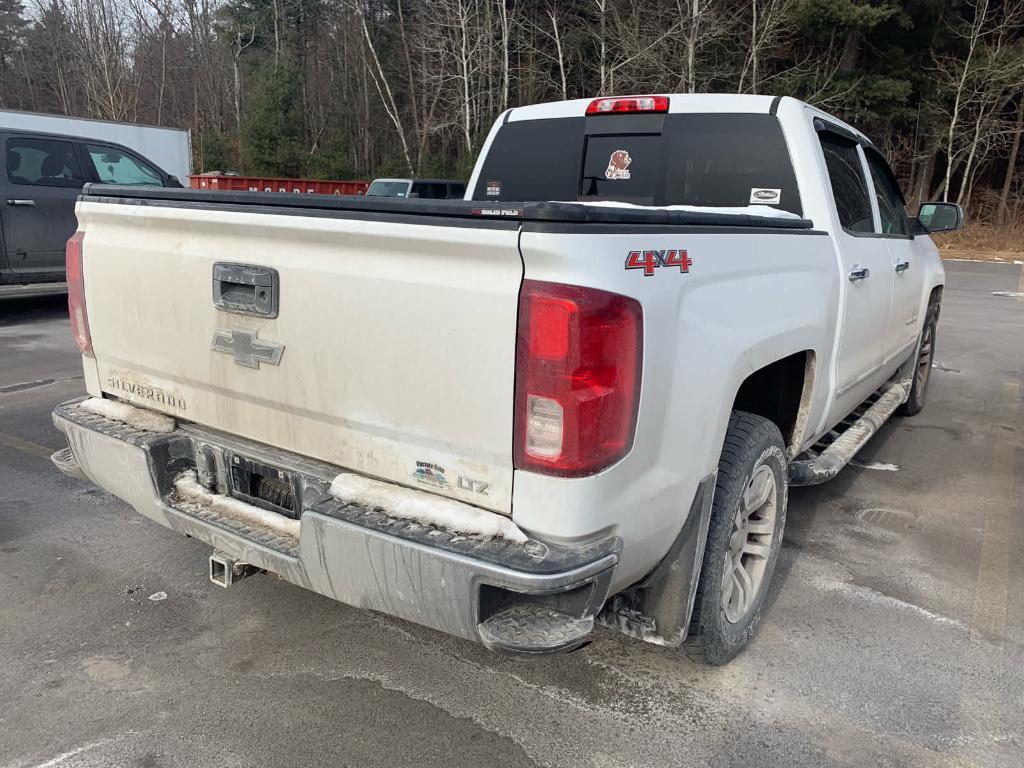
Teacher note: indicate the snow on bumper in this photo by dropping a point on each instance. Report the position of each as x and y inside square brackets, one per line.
[351, 553]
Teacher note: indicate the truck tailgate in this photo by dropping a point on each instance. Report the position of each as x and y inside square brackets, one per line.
[396, 334]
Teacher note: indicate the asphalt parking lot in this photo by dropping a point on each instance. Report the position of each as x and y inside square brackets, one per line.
[893, 637]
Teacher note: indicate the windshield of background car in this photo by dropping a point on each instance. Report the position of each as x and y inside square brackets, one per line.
[388, 189]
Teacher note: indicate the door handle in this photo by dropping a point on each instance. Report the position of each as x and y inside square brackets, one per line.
[902, 266]
[858, 273]
[20, 201]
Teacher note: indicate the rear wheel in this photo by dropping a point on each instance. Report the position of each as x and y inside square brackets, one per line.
[923, 367]
[744, 537]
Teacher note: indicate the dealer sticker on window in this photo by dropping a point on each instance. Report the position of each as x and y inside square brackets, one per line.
[765, 196]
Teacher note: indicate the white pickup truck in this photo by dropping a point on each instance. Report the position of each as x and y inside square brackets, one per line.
[580, 395]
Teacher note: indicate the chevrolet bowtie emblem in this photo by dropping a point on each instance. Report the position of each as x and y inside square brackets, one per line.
[246, 349]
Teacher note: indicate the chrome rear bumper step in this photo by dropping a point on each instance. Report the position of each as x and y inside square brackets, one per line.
[534, 629]
[65, 461]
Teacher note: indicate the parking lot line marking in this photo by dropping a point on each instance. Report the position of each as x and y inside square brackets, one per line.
[26, 446]
[979, 711]
[59, 759]
[992, 587]
[23, 386]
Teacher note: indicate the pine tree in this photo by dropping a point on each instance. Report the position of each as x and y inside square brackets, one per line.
[12, 36]
[272, 127]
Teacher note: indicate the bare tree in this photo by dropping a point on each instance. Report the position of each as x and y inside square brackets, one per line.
[961, 73]
[770, 24]
[380, 81]
[1011, 163]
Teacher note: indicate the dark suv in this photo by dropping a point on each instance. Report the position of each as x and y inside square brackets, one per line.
[41, 176]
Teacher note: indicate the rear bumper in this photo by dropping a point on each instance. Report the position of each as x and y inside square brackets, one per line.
[531, 598]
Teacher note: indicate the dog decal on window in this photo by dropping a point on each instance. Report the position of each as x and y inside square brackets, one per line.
[618, 164]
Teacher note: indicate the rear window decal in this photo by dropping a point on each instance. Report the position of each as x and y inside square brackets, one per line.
[765, 196]
[618, 165]
[493, 188]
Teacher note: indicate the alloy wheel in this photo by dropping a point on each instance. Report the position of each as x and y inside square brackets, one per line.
[753, 531]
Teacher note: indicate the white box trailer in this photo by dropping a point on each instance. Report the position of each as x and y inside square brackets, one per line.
[169, 148]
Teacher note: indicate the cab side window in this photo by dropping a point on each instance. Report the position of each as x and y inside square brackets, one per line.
[430, 190]
[850, 188]
[891, 211]
[115, 166]
[43, 163]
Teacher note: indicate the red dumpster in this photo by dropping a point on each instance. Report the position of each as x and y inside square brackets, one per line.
[265, 184]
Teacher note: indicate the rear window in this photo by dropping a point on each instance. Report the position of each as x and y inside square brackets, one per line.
[720, 160]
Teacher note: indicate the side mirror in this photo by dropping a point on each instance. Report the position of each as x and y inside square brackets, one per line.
[174, 181]
[939, 217]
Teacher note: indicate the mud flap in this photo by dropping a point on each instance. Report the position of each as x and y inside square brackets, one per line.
[658, 608]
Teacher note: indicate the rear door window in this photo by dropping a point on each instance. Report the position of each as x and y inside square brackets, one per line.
[849, 187]
[718, 160]
[43, 162]
[115, 166]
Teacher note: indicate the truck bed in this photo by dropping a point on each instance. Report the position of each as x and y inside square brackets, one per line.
[390, 346]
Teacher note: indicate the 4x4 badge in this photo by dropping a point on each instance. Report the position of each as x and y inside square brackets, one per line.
[649, 261]
[246, 349]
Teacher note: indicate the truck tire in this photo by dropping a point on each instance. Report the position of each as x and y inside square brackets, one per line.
[744, 538]
[923, 368]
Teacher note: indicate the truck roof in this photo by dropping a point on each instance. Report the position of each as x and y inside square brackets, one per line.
[679, 103]
[417, 180]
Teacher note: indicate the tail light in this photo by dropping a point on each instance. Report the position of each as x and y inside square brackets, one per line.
[626, 105]
[76, 293]
[578, 358]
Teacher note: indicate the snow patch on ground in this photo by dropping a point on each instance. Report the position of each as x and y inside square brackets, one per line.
[189, 490]
[875, 465]
[873, 596]
[739, 210]
[424, 508]
[129, 414]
